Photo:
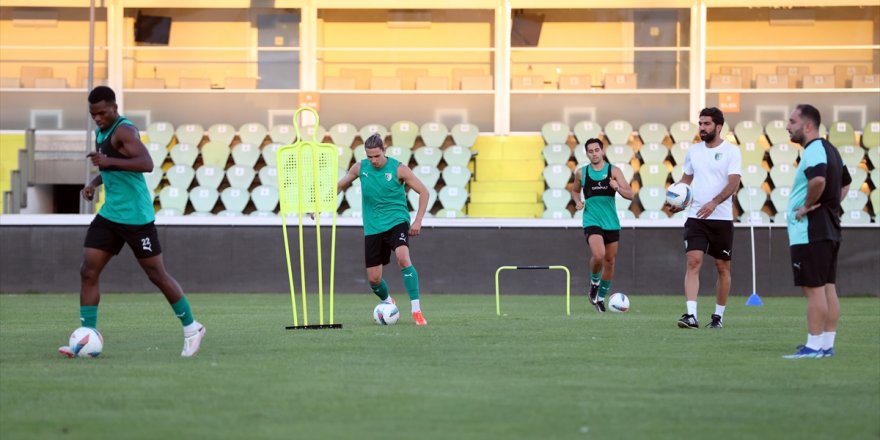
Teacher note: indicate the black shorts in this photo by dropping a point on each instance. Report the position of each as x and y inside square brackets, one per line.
[713, 237]
[815, 264]
[378, 247]
[111, 236]
[607, 236]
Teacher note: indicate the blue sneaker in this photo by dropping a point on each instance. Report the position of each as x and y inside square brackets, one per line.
[805, 352]
[828, 352]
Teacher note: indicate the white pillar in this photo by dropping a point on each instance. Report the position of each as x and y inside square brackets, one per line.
[502, 68]
[698, 60]
[308, 43]
[115, 42]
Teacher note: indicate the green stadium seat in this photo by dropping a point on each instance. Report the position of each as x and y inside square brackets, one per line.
[434, 134]
[210, 176]
[580, 154]
[429, 156]
[777, 132]
[283, 134]
[371, 129]
[402, 154]
[404, 134]
[856, 217]
[556, 214]
[653, 133]
[174, 198]
[245, 154]
[215, 153]
[352, 213]
[619, 153]
[677, 172]
[679, 151]
[269, 153]
[626, 169]
[684, 131]
[747, 132]
[874, 157]
[169, 212]
[157, 152]
[449, 213]
[841, 133]
[751, 198]
[354, 198]
[652, 198]
[654, 153]
[160, 133]
[753, 175]
[240, 176]
[556, 198]
[346, 154]
[457, 155]
[234, 201]
[154, 178]
[184, 154]
[586, 130]
[222, 133]
[265, 198]
[855, 200]
[871, 136]
[858, 176]
[755, 217]
[851, 155]
[555, 132]
[428, 174]
[650, 214]
[725, 131]
[875, 177]
[359, 153]
[456, 175]
[618, 132]
[190, 134]
[557, 176]
[343, 134]
[180, 176]
[780, 196]
[875, 201]
[465, 135]
[268, 176]
[621, 203]
[752, 153]
[783, 153]
[453, 197]
[203, 199]
[783, 174]
[310, 132]
[823, 132]
[252, 133]
[625, 214]
[413, 198]
[781, 218]
[681, 215]
[653, 174]
[556, 154]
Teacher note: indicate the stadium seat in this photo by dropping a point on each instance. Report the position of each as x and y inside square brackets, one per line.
[343, 134]
[269, 153]
[371, 129]
[781, 218]
[783, 174]
[408, 76]
[875, 201]
[253, 133]
[345, 156]
[851, 155]
[160, 133]
[456, 175]
[626, 169]
[855, 200]
[413, 198]
[234, 201]
[433, 134]
[752, 153]
[222, 133]
[557, 176]
[153, 178]
[625, 214]
[841, 133]
[580, 154]
[402, 154]
[180, 176]
[457, 155]
[385, 83]
[173, 197]
[184, 154]
[747, 132]
[429, 156]
[556, 154]
[764, 81]
[871, 136]
[654, 153]
[755, 217]
[586, 130]
[527, 82]
[618, 132]
[679, 151]
[753, 175]
[621, 203]
[858, 176]
[619, 153]
[268, 176]
[157, 152]
[653, 133]
[724, 81]
[190, 134]
[751, 198]
[429, 175]
[783, 153]
[283, 134]
[865, 81]
[245, 154]
[359, 153]
[555, 132]
[650, 214]
[653, 174]
[556, 214]
[620, 81]
[404, 134]
[777, 132]
[352, 213]
[465, 135]
[432, 83]
[652, 198]
[240, 176]
[874, 157]
[354, 198]
[209, 176]
[168, 212]
[677, 172]
[684, 131]
[265, 199]
[856, 217]
[575, 82]
[453, 197]
[449, 213]
[556, 198]
[203, 200]
[215, 153]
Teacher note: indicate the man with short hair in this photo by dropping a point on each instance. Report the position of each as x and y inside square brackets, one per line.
[126, 217]
[820, 182]
[386, 218]
[600, 182]
[713, 169]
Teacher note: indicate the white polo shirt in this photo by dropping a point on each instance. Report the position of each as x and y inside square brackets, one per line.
[710, 168]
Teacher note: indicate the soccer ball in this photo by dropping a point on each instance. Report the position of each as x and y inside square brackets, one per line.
[386, 314]
[679, 195]
[618, 302]
[86, 342]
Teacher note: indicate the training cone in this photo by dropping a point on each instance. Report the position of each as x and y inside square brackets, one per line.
[754, 300]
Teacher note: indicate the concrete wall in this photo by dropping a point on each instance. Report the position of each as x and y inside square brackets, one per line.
[207, 258]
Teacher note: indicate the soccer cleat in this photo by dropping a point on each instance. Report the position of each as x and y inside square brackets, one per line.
[66, 351]
[600, 305]
[828, 352]
[419, 318]
[594, 292]
[805, 352]
[716, 322]
[191, 342]
[688, 321]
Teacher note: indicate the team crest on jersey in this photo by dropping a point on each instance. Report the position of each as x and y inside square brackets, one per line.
[717, 156]
[388, 177]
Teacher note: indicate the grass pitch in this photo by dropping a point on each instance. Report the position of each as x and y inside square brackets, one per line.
[532, 374]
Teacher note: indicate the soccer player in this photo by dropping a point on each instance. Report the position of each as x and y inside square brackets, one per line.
[821, 181]
[713, 168]
[600, 181]
[386, 218]
[126, 217]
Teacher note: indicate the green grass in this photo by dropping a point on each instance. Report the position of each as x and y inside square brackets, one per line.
[532, 373]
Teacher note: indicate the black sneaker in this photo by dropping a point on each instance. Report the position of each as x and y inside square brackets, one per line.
[594, 293]
[716, 322]
[688, 321]
[600, 305]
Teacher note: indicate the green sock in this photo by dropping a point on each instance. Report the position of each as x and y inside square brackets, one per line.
[381, 289]
[604, 285]
[411, 281]
[594, 277]
[88, 316]
[183, 311]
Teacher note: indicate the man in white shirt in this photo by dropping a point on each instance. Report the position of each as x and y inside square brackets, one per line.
[713, 169]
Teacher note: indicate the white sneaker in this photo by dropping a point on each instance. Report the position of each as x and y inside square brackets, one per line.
[191, 342]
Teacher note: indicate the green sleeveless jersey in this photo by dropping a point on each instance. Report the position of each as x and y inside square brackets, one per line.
[126, 197]
[384, 197]
[600, 208]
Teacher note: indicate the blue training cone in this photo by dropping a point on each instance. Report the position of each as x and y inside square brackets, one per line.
[754, 300]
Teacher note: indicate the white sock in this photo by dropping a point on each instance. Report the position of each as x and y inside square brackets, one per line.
[828, 340]
[415, 306]
[388, 300]
[192, 328]
[719, 310]
[814, 342]
[692, 308]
